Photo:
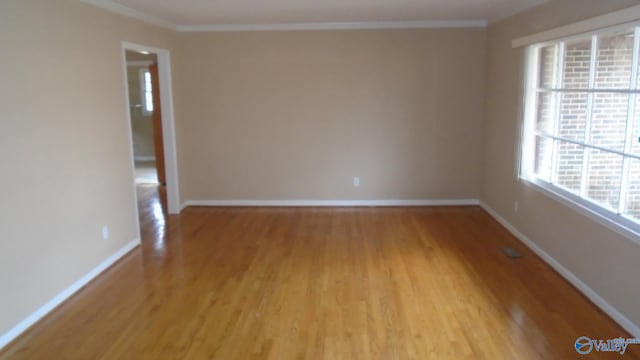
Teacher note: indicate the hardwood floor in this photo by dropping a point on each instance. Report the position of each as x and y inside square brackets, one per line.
[318, 283]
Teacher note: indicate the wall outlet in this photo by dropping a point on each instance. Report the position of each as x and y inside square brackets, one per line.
[105, 233]
[515, 206]
[356, 181]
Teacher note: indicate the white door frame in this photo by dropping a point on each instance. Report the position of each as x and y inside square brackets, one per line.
[168, 123]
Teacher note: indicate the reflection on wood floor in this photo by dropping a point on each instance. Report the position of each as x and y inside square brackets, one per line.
[321, 283]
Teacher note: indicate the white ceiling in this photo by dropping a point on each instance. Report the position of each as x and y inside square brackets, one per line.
[252, 12]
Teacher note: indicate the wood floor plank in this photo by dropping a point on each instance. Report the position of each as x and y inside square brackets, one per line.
[321, 283]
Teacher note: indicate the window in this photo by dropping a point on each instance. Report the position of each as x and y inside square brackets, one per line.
[146, 91]
[581, 135]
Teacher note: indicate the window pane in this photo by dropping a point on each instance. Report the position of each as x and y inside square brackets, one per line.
[569, 170]
[632, 204]
[604, 178]
[544, 121]
[586, 111]
[635, 129]
[542, 164]
[573, 116]
[577, 61]
[547, 61]
[609, 120]
[148, 101]
[613, 62]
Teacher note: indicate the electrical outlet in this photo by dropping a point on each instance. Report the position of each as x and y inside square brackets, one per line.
[515, 206]
[105, 233]
[356, 181]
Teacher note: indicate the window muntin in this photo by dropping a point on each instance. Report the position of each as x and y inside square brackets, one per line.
[582, 121]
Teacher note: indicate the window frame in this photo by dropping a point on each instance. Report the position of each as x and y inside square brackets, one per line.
[143, 91]
[614, 220]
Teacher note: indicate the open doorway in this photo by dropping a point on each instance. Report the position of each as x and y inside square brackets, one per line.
[146, 118]
[150, 116]
[146, 128]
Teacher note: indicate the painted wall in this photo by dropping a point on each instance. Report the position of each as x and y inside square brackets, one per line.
[64, 146]
[141, 123]
[297, 115]
[604, 260]
[269, 115]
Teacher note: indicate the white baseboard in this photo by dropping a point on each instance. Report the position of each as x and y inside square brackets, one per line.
[598, 300]
[330, 203]
[144, 158]
[23, 325]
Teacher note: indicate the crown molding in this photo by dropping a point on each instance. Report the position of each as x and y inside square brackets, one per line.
[127, 11]
[624, 16]
[115, 7]
[426, 24]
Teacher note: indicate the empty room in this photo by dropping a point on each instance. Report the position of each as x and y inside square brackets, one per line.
[433, 179]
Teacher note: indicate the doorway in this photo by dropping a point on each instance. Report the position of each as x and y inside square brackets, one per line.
[147, 136]
[151, 125]
[146, 118]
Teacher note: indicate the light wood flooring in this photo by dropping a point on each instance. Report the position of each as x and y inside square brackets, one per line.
[321, 283]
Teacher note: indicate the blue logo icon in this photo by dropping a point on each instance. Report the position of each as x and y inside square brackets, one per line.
[583, 345]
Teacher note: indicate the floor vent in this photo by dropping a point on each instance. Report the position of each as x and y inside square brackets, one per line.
[511, 253]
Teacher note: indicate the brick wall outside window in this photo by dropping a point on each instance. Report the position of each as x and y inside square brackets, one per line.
[609, 113]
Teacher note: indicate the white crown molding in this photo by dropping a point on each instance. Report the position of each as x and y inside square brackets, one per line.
[423, 24]
[329, 203]
[127, 11]
[367, 25]
[628, 15]
[595, 298]
[25, 324]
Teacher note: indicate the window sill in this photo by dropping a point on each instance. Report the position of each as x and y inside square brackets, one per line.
[612, 221]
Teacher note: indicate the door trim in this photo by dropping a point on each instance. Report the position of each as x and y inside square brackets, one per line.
[168, 122]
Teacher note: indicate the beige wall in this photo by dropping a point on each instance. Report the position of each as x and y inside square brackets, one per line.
[296, 115]
[64, 146]
[604, 260]
[141, 124]
[268, 115]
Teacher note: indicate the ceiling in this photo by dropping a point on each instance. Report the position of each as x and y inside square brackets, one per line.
[255, 12]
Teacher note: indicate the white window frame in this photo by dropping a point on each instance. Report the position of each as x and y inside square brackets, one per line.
[614, 220]
[146, 111]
